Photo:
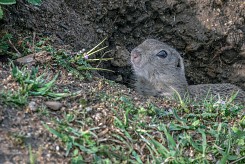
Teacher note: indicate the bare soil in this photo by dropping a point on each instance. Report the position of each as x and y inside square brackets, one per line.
[22, 126]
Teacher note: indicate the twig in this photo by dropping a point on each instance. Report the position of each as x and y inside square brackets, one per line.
[33, 42]
[12, 45]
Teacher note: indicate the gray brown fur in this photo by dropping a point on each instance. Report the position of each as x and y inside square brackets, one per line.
[158, 76]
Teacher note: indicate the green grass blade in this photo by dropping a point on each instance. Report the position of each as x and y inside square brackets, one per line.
[182, 103]
[183, 121]
[225, 157]
[170, 139]
[137, 157]
[157, 147]
[92, 68]
[204, 142]
[32, 157]
[1, 12]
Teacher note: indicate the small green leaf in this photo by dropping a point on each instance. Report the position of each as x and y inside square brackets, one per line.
[77, 160]
[68, 147]
[196, 123]
[1, 13]
[35, 2]
[137, 157]
[75, 152]
[7, 2]
[124, 99]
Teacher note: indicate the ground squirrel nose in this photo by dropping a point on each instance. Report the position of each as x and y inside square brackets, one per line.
[135, 56]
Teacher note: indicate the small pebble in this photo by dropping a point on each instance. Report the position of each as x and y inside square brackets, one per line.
[32, 106]
[54, 105]
[88, 109]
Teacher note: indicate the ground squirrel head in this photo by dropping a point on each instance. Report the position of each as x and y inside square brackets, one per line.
[158, 68]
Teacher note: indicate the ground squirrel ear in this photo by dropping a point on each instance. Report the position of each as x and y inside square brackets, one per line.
[181, 63]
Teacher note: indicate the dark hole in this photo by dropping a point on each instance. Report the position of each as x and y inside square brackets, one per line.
[178, 65]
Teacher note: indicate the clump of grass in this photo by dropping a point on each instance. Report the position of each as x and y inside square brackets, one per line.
[80, 56]
[79, 63]
[30, 84]
[207, 132]
[137, 135]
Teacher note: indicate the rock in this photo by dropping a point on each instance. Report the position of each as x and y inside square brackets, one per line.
[29, 59]
[54, 105]
[32, 106]
[41, 57]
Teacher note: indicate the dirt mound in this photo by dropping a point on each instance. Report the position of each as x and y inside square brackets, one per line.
[209, 33]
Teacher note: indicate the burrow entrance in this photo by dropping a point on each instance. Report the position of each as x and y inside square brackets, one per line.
[210, 34]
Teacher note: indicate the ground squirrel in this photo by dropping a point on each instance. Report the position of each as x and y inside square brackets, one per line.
[159, 70]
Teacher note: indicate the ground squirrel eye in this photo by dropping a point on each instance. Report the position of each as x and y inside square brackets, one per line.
[162, 54]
